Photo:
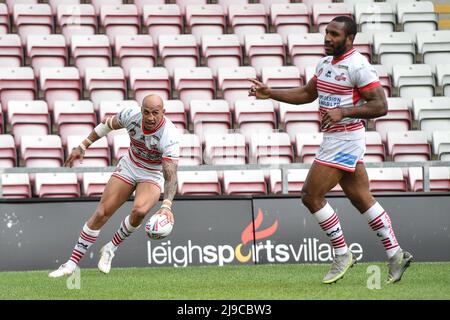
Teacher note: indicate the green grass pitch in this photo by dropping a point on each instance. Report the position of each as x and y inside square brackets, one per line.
[261, 282]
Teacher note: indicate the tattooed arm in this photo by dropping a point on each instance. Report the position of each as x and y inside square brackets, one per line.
[170, 187]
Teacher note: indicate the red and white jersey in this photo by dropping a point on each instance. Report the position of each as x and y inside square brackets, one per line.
[149, 148]
[339, 83]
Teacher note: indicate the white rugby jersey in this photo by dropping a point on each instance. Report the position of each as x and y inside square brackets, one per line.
[339, 83]
[148, 148]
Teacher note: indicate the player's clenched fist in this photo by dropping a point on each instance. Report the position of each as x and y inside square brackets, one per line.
[77, 153]
[259, 90]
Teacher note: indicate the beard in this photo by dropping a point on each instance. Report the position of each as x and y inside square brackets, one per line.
[339, 49]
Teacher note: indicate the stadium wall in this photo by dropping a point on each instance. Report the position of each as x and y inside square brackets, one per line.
[40, 234]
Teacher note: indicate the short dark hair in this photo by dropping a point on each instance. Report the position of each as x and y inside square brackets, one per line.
[350, 25]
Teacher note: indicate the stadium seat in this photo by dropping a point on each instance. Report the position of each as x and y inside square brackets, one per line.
[90, 51]
[11, 54]
[296, 180]
[270, 148]
[385, 79]
[55, 3]
[184, 3]
[190, 150]
[300, 118]
[394, 48]
[16, 186]
[78, 20]
[94, 183]
[234, 85]
[141, 3]
[439, 179]
[41, 151]
[135, 51]
[323, 13]
[174, 110]
[162, 19]
[32, 19]
[209, 116]
[255, 116]
[74, 118]
[289, 18]
[413, 81]
[97, 155]
[150, 80]
[99, 3]
[120, 146]
[205, 19]
[57, 185]
[386, 180]
[8, 153]
[307, 145]
[433, 114]
[226, 3]
[11, 3]
[119, 20]
[193, 84]
[46, 51]
[375, 17]
[363, 44]
[249, 182]
[408, 146]
[441, 144]
[398, 118]
[283, 77]
[4, 19]
[374, 147]
[178, 51]
[225, 149]
[417, 16]
[310, 72]
[434, 46]
[198, 183]
[310, 3]
[306, 49]
[221, 51]
[59, 84]
[443, 78]
[105, 84]
[17, 84]
[245, 19]
[111, 108]
[28, 118]
[264, 50]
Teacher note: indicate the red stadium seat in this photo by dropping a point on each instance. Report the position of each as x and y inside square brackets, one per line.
[184, 3]
[386, 180]
[4, 19]
[193, 84]
[441, 145]
[245, 19]
[178, 51]
[162, 19]
[111, 108]
[60, 84]
[16, 186]
[11, 53]
[408, 146]
[190, 150]
[306, 49]
[17, 84]
[234, 84]
[41, 151]
[296, 180]
[290, 18]
[120, 145]
[221, 51]
[398, 118]
[94, 183]
[47, 51]
[323, 13]
[375, 151]
[198, 183]
[8, 157]
[174, 110]
[151, 80]
[28, 118]
[135, 51]
[385, 78]
[205, 19]
[307, 145]
[91, 51]
[76, 20]
[224, 149]
[439, 179]
[141, 3]
[105, 84]
[97, 155]
[300, 118]
[32, 19]
[74, 118]
[57, 185]
[210, 116]
[264, 50]
[99, 3]
[271, 148]
[55, 3]
[249, 182]
[255, 116]
[119, 20]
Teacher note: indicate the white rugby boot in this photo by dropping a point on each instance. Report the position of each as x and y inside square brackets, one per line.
[106, 256]
[65, 269]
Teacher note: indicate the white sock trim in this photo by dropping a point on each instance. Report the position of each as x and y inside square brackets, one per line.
[90, 232]
[129, 226]
[324, 213]
[374, 211]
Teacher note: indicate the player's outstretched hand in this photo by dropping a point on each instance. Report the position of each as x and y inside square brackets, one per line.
[258, 89]
[167, 213]
[77, 153]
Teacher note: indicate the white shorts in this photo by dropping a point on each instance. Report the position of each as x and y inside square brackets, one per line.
[128, 172]
[341, 154]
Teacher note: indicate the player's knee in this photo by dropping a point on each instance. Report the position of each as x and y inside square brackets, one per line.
[139, 211]
[312, 202]
[101, 213]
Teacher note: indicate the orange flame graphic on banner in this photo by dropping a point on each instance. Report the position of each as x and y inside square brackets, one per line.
[247, 235]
